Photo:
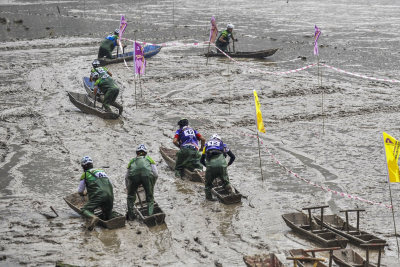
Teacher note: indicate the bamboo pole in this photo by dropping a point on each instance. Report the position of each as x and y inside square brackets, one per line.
[140, 86]
[391, 203]
[394, 220]
[322, 96]
[135, 93]
[209, 44]
[259, 155]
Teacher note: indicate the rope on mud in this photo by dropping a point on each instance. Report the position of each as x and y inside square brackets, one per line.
[178, 44]
[360, 75]
[324, 188]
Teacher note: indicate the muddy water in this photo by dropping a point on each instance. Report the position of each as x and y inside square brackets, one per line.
[47, 48]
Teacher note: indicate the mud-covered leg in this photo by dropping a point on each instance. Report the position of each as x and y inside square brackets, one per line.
[131, 198]
[148, 188]
[93, 219]
[208, 184]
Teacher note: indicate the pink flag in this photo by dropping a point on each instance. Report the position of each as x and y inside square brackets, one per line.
[316, 36]
[122, 26]
[138, 57]
[213, 30]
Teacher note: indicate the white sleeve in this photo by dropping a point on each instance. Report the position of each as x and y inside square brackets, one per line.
[154, 170]
[82, 186]
[127, 180]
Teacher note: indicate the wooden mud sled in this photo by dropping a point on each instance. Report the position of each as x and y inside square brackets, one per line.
[343, 228]
[350, 258]
[254, 54]
[302, 257]
[76, 202]
[304, 225]
[169, 156]
[263, 260]
[86, 105]
[88, 85]
[148, 51]
[141, 211]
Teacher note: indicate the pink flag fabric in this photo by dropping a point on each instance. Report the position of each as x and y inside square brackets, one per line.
[316, 36]
[213, 30]
[138, 57]
[122, 26]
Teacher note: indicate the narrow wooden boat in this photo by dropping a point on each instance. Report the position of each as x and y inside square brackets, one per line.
[158, 216]
[100, 97]
[299, 222]
[255, 54]
[148, 50]
[226, 197]
[304, 263]
[263, 260]
[349, 258]
[169, 156]
[354, 235]
[76, 202]
[86, 105]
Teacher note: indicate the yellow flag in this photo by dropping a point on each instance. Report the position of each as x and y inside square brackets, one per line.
[259, 122]
[392, 156]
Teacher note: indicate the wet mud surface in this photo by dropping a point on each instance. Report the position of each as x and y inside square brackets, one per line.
[330, 135]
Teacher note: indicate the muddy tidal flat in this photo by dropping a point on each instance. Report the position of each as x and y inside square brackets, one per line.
[329, 133]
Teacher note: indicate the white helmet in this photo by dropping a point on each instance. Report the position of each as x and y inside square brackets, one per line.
[86, 160]
[230, 26]
[141, 147]
[96, 63]
[216, 136]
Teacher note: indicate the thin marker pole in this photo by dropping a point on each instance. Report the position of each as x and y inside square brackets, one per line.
[391, 203]
[322, 96]
[259, 155]
[135, 93]
[394, 222]
[140, 86]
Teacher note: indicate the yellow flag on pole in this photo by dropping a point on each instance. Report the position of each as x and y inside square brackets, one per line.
[392, 156]
[259, 122]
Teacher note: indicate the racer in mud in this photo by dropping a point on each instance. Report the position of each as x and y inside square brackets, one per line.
[108, 87]
[188, 156]
[224, 38]
[108, 45]
[213, 157]
[100, 192]
[100, 70]
[142, 170]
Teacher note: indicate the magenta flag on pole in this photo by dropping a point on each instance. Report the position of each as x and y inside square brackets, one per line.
[213, 30]
[316, 36]
[122, 26]
[140, 62]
